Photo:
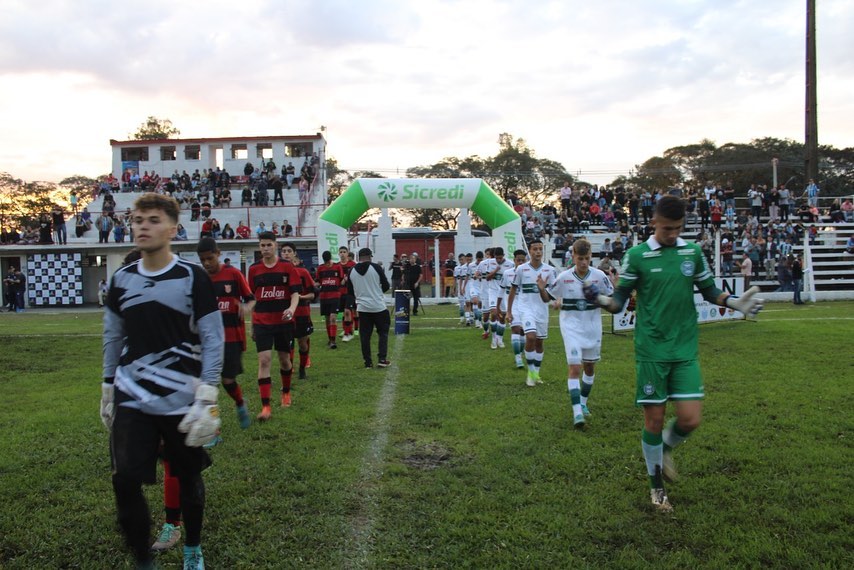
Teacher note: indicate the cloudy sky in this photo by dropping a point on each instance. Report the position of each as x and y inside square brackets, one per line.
[598, 86]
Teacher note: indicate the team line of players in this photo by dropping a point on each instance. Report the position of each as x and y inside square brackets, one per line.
[493, 292]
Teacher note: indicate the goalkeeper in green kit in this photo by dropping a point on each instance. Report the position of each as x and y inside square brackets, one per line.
[664, 271]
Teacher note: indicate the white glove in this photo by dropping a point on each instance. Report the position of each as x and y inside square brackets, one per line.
[107, 409]
[201, 424]
[747, 303]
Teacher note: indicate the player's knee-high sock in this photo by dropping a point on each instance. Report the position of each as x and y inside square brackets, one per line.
[574, 395]
[586, 386]
[171, 496]
[193, 507]
[672, 435]
[265, 387]
[486, 322]
[355, 321]
[518, 343]
[652, 453]
[539, 359]
[234, 392]
[468, 316]
[286, 379]
[348, 327]
[477, 314]
[493, 326]
[303, 359]
[499, 330]
[134, 518]
[462, 309]
[531, 358]
[332, 331]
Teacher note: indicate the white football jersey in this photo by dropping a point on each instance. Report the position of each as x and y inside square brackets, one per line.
[577, 315]
[527, 297]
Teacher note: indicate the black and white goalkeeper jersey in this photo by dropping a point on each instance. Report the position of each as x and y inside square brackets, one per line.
[163, 334]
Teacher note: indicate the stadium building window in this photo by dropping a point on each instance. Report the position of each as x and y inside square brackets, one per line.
[239, 152]
[298, 149]
[264, 150]
[167, 153]
[192, 152]
[135, 153]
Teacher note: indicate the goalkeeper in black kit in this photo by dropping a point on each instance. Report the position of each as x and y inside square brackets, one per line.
[163, 344]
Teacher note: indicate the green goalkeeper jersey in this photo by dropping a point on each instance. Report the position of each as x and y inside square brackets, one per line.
[664, 277]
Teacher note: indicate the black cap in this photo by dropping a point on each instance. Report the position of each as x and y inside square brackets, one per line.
[365, 252]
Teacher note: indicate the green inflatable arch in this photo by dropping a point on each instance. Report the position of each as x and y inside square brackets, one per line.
[471, 193]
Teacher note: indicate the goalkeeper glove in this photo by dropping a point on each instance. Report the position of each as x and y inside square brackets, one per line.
[592, 295]
[202, 422]
[747, 303]
[107, 409]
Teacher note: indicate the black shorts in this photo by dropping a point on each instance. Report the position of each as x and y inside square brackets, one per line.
[268, 337]
[303, 327]
[329, 306]
[135, 445]
[232, 360]
[347, 302]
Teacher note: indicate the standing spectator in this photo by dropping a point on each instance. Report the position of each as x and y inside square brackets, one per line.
[277, 190]
[785, 199]
[797, 279]
[160, 305]
[60, 234]
[755, 196]
[105, 226]
[412, 274]
[290, 170]
[811, 192]
[726, 257]
[784, 275]
[396, 272]
[565, 196]
[10, 284]
[716, 215]
[449, 266]
[367, 282]
[102, 292]
[746, 270]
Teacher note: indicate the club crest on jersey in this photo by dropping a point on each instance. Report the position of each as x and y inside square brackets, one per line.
[227, 289]
[687, 268]
[649, 389]
[581, 304]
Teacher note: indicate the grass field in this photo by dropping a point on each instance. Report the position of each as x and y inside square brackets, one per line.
[447, 459]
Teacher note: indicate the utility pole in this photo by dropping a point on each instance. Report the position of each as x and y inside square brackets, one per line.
[811, 138]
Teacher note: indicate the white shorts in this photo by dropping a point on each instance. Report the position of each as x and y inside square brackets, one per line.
[473, 290]
[493, 299]
[575, 353]
[530, 323]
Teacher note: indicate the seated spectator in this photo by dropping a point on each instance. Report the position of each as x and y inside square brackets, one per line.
[242, 231]
[225, 198]
[848, 210]
[287, 229]
[275, 229]
[836, 215]
[181, 235]
[227, 232]
[207, 229]
[195, 209]
[849, 247]
[261, 228]
[246, 196]
[216, 230]
[608, 220]
[607, 249]
[206, 209]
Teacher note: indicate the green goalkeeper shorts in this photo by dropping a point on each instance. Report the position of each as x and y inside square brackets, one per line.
[658, 382]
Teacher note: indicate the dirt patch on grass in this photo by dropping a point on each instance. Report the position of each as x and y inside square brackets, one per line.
[425, 456]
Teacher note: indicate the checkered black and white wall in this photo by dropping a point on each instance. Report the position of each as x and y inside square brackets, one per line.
[54, 279]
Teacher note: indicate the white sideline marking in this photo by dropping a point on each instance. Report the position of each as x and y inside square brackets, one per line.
[361, 525]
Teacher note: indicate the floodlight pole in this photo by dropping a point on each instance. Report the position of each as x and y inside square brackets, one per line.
[811, 135]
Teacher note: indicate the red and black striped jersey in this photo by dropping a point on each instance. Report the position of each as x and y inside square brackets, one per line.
[346, 267]
[272, 287]
[231, 289]
[329, 277]
[307, 283]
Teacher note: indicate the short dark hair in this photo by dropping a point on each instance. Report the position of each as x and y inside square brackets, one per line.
[670, 207]
[207, 245]
[152, 201]
[267, 235]
[496, 251]
[291, 245]
[535, 240]
[520, 252]
[326, 255]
